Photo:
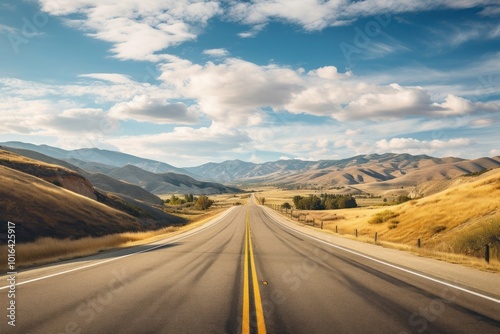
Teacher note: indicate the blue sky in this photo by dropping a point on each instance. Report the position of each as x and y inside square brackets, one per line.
[188, 82]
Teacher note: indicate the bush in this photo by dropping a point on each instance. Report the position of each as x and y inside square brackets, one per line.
[472, 240]
[382, 217]
[439, 228]
[203, 202]
[402, 199]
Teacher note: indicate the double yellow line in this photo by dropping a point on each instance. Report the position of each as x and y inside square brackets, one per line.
[245, 325]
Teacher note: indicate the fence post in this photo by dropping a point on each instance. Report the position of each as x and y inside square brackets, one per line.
[356, 233]
[321, 224]
[336, 229]
[487, 253]
[418, 243]
[375, 237]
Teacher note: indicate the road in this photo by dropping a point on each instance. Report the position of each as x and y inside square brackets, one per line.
[245, 272]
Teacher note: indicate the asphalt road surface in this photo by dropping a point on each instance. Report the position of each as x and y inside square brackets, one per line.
[245, 272]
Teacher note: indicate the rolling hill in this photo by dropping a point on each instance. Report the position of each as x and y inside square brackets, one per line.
[40, 208]
[49, 200]
[168, 183]
[98, 180]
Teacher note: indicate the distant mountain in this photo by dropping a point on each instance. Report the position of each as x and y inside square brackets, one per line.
[108, 184]
[94, 158]
[362, 169]
[227, 171]
[167, 183]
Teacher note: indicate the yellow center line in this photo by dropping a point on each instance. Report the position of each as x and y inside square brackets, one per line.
[245, 324]
[261, 325]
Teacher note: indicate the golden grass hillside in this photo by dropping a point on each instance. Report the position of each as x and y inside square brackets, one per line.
[54, 174]
[461, 219]
[39, 208]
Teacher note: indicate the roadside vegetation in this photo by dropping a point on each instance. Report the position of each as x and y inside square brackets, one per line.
[453, 225]
[324, 202]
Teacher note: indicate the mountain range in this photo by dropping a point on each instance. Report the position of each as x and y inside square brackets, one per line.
[373, 172]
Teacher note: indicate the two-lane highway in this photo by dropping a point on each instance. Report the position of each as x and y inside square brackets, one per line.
[245, 273]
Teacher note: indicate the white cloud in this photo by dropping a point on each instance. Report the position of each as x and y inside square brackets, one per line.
[456, 105]
[317, 15]
[415, 146]
[77, 121]
[155, 110]
[234, 91]
[5, 29]
[216, 52]
[351, 132]
[494, 152]
[253, 32]
[110, 77]
[185, 146]
[107, 88]
[137, 29]
[490, 11]
[392, 101]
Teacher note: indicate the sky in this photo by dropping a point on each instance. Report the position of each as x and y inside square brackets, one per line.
[189, 82]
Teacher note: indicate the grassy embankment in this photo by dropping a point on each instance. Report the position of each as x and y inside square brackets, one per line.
[453, 225]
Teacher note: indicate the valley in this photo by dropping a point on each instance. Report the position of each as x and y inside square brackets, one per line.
[100, 194]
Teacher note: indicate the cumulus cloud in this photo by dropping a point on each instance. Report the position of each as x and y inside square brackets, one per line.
[186, 145]
[391, 101]
[235, 91]
[156, 110]
[137, 29]
[78, 121]
[415, 146]
[216, 52]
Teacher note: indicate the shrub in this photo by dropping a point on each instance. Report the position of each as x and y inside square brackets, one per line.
[439, 228]
[203, 202]
[382, 217]
[472, 241]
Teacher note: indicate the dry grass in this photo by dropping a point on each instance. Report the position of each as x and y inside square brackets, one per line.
[453, 225]
[48, 250]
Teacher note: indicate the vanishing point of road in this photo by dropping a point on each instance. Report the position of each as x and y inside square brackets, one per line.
[246, 271]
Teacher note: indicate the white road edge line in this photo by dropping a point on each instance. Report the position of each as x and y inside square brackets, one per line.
[389, 264]
[218, 220]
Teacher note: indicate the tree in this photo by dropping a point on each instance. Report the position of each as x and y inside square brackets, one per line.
[203, 202]
[263, 200]
[286, 206]
[402, 199]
